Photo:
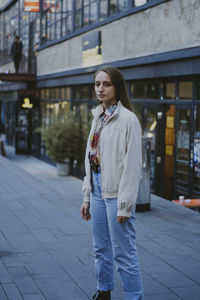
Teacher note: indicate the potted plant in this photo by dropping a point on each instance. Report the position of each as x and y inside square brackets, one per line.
[64, 142]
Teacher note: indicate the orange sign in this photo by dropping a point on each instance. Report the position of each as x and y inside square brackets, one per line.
[32, 5]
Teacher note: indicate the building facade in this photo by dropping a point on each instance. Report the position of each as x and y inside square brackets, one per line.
[156, 46]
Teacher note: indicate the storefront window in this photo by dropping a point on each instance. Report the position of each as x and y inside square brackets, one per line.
[185, 90]
[170, 90]
[137, 109]
[198, 90]
[196, 152]
[183, 151]
[138, 90]
[153, 90]
[149, 130]
[81, 92]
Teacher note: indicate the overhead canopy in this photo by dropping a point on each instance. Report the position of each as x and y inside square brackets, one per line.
[17, 77]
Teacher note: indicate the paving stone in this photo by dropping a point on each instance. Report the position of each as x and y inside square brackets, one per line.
[4, 275]
[26, 285]
[12, 292]
[162, 271]
[188, 293]
[25, 242]
[153, 286]
[2, 294]
[34, 297]
[61, 289]
[162, 297]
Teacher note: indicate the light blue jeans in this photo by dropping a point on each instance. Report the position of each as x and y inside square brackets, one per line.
[114, 242]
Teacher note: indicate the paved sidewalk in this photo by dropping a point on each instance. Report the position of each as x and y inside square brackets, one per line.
[46, 248]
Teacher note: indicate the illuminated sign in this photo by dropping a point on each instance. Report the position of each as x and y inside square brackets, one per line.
[27, 103]
[91, 49]
[34, 5]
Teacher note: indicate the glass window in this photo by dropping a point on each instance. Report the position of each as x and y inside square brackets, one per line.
[81, 92]
[198, 90]
[122, 5]
[183, 151]
[113, 7]
[170, 90]
[196, 152]
[137, 109]
[153, 90]
[93, 12]
[138, 90]
[139, 2]
[185, 90]
[103, 9]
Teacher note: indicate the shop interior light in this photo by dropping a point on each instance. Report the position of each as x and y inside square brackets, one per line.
[153, 126]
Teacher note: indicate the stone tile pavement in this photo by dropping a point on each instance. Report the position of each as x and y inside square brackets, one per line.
[46, 248]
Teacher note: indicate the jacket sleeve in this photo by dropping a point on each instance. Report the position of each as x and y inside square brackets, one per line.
[132, 172]
[86, 182]
[86, 190]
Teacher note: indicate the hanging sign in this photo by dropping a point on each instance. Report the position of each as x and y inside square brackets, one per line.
[32, 5]
[92, 49]
[27, 103]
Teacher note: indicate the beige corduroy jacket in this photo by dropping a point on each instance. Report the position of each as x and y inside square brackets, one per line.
[121, 159]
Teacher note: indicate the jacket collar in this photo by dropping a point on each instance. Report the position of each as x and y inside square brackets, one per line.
[99, 109]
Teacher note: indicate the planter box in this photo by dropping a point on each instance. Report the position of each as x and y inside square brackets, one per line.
[63, 169]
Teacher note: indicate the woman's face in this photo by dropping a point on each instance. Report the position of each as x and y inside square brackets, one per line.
[104, 88]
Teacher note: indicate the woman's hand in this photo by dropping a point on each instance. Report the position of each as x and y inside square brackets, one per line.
[122, 219]
[85, 211]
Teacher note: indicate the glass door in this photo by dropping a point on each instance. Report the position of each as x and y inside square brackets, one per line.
[196, 154]
[153, 124]
[182, 174]
[23, 131]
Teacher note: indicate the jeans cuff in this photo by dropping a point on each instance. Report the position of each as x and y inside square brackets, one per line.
[105, 286]
[134, 295]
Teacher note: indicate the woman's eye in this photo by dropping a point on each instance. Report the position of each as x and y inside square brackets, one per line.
[107, 84]
[97, 84]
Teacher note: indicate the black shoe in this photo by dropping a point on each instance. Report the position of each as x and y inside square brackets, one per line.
[102, 295]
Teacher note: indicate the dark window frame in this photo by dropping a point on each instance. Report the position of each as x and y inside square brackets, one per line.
[131, 9]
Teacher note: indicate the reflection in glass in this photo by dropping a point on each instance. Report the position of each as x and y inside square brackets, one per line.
[138, 90]
[137, 109]
[185, 90]
[196, 153]
[182, 151]
[170, 90]
[81, 92]
[149, 130]
[198, 90]
[113, 6]
[103, 9]
[153, 90]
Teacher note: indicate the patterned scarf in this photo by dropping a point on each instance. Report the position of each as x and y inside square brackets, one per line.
[94, 152]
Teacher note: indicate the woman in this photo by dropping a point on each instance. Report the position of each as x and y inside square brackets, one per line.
[113, 171]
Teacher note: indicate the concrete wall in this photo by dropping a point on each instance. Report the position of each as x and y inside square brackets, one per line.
[168, 26]
[3, 3]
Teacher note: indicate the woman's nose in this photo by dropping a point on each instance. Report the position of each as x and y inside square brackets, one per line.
[101, 87]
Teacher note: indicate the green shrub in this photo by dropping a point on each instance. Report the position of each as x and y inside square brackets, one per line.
[66, 139]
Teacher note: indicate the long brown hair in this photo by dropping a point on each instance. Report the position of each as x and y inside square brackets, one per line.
[118, 81]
